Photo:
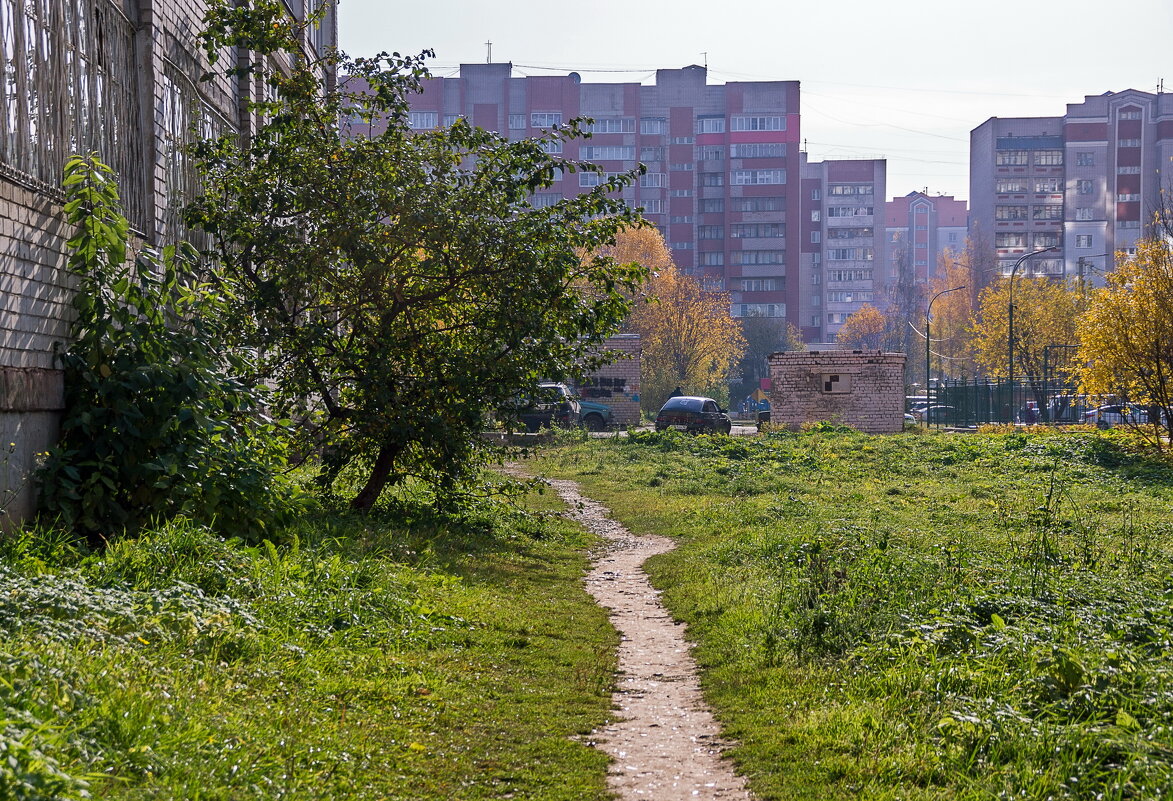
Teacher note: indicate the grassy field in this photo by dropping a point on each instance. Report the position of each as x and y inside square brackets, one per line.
[919, 616]
[404, 656]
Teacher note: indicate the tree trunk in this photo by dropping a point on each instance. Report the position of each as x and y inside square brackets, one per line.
[378, 479]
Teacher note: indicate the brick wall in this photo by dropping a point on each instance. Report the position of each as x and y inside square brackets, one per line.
[617, 384]
[861, 389]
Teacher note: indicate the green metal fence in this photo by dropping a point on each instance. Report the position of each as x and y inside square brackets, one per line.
[974, 402]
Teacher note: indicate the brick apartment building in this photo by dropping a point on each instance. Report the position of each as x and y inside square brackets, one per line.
[122, 78]
[1086, 183]
[920, 229]
[722, 162]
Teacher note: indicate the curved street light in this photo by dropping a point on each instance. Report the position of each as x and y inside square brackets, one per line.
[928, 318]
[1010, 326]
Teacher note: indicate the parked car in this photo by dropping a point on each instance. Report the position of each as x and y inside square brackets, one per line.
[595, 416]
[551, 404]
[937, 414]
[1118, 414]
[693, 414]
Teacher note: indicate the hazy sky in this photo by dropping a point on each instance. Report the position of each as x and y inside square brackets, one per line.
[901, 79]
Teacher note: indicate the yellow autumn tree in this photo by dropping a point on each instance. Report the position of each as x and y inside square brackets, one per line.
[688, 337]
[1126, 335]
[865, 329]
[953, 314]
[1046, 323]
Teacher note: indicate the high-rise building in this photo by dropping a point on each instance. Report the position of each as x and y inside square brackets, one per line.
[842, 264]
[722, 162]
[920, 229]
[1086, 183]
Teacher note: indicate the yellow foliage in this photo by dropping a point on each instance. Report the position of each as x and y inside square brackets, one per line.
[1046, 313]
[1126, 336]
[863, 330]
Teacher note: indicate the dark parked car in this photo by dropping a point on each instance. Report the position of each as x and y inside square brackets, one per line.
[693, 414]
[550, 405]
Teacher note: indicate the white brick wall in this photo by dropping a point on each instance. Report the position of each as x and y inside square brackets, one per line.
[861, 389]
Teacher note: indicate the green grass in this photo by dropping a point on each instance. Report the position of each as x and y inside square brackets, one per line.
[917, 616]
[405, 656]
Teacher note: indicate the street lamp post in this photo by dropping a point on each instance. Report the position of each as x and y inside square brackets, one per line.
[928, 339]
[1010, 326]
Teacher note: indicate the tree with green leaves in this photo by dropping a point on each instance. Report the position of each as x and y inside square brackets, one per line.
[398, 285]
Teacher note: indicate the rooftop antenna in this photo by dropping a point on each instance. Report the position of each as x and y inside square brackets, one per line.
[705, 53]
[489, 53]
[1160, 86]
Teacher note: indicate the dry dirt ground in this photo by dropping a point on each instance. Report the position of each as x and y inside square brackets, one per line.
[664, 743]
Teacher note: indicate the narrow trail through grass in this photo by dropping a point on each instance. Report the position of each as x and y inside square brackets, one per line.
[666, 745]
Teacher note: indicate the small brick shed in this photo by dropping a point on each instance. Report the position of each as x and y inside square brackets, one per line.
[863, 389]
[617, 384]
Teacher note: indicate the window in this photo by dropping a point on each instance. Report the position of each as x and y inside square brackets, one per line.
[751, 177]
[607, 125]
[652, 205]
[544, 200]
[1128, 170]
[836, 190]
[742, 257]
[1049, 158]
[545, 119]
[849, 211]
[680, 218]
[816, 237]
[680, 193]
[816, 216]
[1045, 239]
[922, 245]
[1083, 241]
[758, 151]
[711, 259]
[758, 203]
[758, 285]
[710, 232]
[847, 276]
[816, 194]
[711, 283]
[651, 180]
[850, 254]
[1125, 197]
[516, 122]
[1128, 224]
[1051, 211]
[850, 233]
[651, 153]
[757, 231]
[712, 179]
[837, 318]
[418, 120]
[707, 125]
[1047, 186]
[653, 125]
[1012, 158]
[1083, 186]
[1084, 214]
[450, 120]
[849, 296]
[1011, 186]
[1085, 158]
[682, 140]
[681, 166]
[744, 122]
[712, 205]
[1009, 240]
[816, 277]
[758, 310]
[1132, 114]
[1128, 142]
[589, 179]
[552, 146]
[710, 153]
[1010, 213]
[606, 153]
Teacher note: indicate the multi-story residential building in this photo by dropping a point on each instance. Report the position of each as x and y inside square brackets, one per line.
[121, 79]
[722, 162]
[1086, 183]
[920, 229]
[842, 263]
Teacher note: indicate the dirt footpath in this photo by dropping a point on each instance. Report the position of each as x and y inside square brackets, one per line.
[665, 743]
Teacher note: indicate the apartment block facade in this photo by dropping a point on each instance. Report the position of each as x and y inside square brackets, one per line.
[920, 229]
[116, 77]
[1086, 183]
[722, 162]
[843, 247]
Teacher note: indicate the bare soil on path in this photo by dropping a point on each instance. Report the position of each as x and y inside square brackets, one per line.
[665, 744]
